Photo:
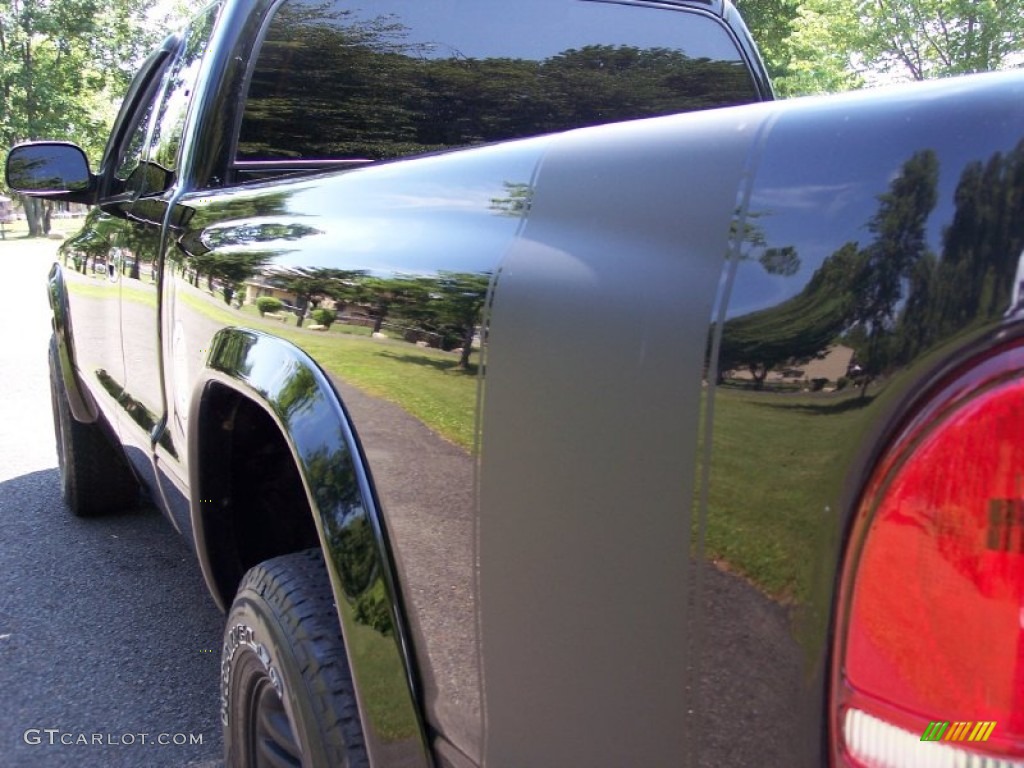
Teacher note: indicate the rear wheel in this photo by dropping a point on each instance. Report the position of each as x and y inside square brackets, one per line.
[94, 476]
[286, 689]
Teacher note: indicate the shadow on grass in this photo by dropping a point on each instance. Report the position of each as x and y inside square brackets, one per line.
[824, 408]
[444, 366]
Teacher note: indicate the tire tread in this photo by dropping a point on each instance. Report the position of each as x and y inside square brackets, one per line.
[297, 590]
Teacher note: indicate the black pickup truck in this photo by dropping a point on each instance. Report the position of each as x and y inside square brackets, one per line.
[519, 419]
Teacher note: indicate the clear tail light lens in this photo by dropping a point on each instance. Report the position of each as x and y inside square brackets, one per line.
[929, 628]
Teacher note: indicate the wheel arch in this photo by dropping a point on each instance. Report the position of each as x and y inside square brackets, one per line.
[254, 370]
[83, 409]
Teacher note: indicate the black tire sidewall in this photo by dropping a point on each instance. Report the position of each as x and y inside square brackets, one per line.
[256, 644]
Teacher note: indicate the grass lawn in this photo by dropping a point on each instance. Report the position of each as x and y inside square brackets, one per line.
[14, 230]
[337, 327]
[769, 454]
[17, 230]
[97, 286]
[425, 382]
[383, 683]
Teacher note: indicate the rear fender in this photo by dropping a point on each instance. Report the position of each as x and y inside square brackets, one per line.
[293, 391]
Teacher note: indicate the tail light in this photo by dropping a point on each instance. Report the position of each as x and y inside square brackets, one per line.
[929, 629]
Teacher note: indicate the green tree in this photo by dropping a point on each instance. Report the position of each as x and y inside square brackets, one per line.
[63, 67]
[890, 264]
[933, 38]
[517, 201]
[267, 304]
[841, 44]
[367, 91]
[976, 281]
[324, 317]
[796, 330]
[821, 52]
[385, 295]
[771, 23]
[311, 286]
[232, 269]
[460, 300]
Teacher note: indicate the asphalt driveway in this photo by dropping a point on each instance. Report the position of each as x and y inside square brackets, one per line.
[109, 643]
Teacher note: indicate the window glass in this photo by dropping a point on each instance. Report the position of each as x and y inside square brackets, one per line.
[180, 81]
[131, 153]
[347, 79]
[133, 143]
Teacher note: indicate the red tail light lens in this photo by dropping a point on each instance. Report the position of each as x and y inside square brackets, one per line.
[932, 606]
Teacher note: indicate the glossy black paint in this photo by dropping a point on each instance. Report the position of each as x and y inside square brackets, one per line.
[633, 316]
[233, 228]
[291, 388]
[886, 224]
[289, 232]
[81, 406]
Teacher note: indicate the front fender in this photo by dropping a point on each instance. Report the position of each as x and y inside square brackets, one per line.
[82, 407]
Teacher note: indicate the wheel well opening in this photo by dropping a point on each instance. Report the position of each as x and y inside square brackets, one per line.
[252, 503]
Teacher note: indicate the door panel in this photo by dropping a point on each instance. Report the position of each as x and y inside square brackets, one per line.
[144, 409]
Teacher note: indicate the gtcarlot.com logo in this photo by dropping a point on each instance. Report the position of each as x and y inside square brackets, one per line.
[58, 737]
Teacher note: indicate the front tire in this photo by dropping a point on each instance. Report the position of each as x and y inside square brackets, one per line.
[94, 476]
[286, 690]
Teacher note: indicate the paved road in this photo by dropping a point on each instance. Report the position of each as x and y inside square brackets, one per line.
[106, 631]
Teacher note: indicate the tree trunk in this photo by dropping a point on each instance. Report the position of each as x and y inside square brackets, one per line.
[34, 216]
[759, 374]
[467, 348]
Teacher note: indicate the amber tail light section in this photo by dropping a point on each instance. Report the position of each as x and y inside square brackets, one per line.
[931, 608]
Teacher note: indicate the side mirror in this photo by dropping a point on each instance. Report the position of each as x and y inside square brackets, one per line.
[57, 170]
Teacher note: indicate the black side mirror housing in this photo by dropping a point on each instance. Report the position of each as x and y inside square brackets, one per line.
[55, 170]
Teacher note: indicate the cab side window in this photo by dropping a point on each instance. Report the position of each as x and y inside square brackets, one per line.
[128, 155]
[335, 82]
[159, 122]
[131, 153]
[179, 84]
